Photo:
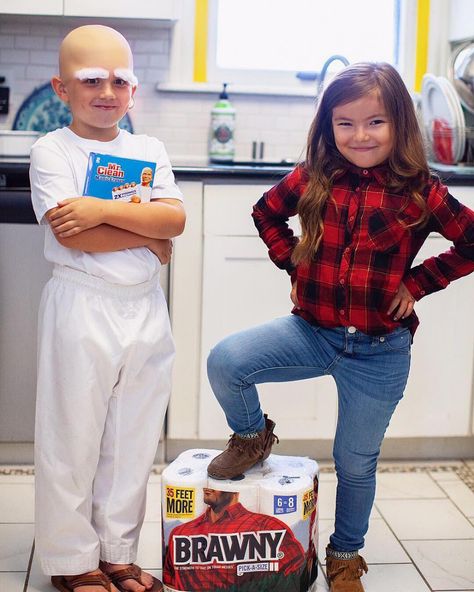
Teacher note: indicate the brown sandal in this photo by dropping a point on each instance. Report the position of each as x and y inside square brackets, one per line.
[69, 583]
[132, 572]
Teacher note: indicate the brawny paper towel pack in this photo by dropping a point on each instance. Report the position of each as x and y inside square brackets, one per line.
[255, 534]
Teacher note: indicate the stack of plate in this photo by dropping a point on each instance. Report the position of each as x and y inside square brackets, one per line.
[440, 103]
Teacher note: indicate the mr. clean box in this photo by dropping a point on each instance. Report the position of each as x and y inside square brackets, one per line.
[254, 534]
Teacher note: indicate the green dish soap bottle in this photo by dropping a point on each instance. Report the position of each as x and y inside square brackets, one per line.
[221, 141]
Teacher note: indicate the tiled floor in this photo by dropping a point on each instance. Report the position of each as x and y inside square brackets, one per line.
[421, 535]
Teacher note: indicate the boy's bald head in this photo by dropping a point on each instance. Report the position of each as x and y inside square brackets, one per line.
[93, 46]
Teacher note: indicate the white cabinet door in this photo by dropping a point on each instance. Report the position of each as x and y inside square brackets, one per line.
[437, 399]
[139, 9]
[23, 273]
[243, 288]
[45, 7]
[185, 314]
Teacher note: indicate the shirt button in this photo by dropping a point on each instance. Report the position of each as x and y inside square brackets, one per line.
[347, 249]
[351, 329]
[365, 172]
[422, 292]
[342, 312]
[351, 218]
[342, 281]
[382, 339]
[357, 189]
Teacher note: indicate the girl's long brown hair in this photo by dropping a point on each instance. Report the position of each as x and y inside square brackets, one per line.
[407, 165]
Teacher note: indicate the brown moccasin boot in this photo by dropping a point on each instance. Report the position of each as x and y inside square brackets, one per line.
[243, 453]
[344, 574]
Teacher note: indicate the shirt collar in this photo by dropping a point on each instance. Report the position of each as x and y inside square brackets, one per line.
[379, 173]
[230, 512]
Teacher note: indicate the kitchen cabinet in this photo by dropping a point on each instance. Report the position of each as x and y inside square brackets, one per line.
[223, 278]
[140, 9]
[45, 7]
[23, 273]
[241, 288]
[185, 315]
[437, 400]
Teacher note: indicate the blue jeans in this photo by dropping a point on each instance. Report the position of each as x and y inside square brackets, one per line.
[370, 374]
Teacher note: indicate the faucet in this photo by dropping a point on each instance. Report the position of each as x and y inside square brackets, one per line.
[324, 69]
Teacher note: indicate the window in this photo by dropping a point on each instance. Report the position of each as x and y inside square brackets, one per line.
[260, 46]
[268, 42]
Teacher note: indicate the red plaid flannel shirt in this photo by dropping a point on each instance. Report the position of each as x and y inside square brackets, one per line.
[365, 252]
[219, 575]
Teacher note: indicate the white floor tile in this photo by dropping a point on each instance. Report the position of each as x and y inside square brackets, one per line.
[324, 477]
[17, 502]
[320, 585]
[12, 582]
[381, 546]
[407, 486]
[155, 475]
[446, 565]
[38, 581]
[327, 501]
[439, 476]
[157, 573]
[461, 495]
[436, 465]
[326, 528]
[153, 502]
[425, 519]
[16, 541]
[393, 578]
[149, 547]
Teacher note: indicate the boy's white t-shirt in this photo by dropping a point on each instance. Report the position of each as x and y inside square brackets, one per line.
[58, 170]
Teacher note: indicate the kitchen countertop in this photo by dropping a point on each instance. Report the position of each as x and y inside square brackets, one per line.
[18, 167]
[15, 205]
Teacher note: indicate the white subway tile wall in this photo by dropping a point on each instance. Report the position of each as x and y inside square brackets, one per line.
[28, 59]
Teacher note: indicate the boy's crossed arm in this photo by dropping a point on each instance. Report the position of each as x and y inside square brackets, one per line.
[96, 225]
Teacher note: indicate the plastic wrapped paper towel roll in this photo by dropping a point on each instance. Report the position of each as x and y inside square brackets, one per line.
[197, 456]
[291, 500]
[246, 488]
[182, 497]
[292, 465]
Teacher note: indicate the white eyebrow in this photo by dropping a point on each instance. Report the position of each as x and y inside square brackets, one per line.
[127, 75]
[91, 73]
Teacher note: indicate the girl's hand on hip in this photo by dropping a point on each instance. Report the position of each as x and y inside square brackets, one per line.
[162, 248]
[293, 295]
[75, 214]
[403, 303]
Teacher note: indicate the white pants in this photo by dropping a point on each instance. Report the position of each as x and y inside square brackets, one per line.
[105, 356]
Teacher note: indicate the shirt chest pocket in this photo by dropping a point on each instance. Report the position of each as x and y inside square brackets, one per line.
[385, 231]
[389, 218]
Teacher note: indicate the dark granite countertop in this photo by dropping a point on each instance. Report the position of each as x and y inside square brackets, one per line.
[16, 169]
[15, 205]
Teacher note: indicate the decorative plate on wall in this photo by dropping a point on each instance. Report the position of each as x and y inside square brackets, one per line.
[42, 111]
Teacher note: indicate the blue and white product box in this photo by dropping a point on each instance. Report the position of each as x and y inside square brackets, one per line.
[114, 177]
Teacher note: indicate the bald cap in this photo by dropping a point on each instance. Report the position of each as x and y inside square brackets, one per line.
[92, 46]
